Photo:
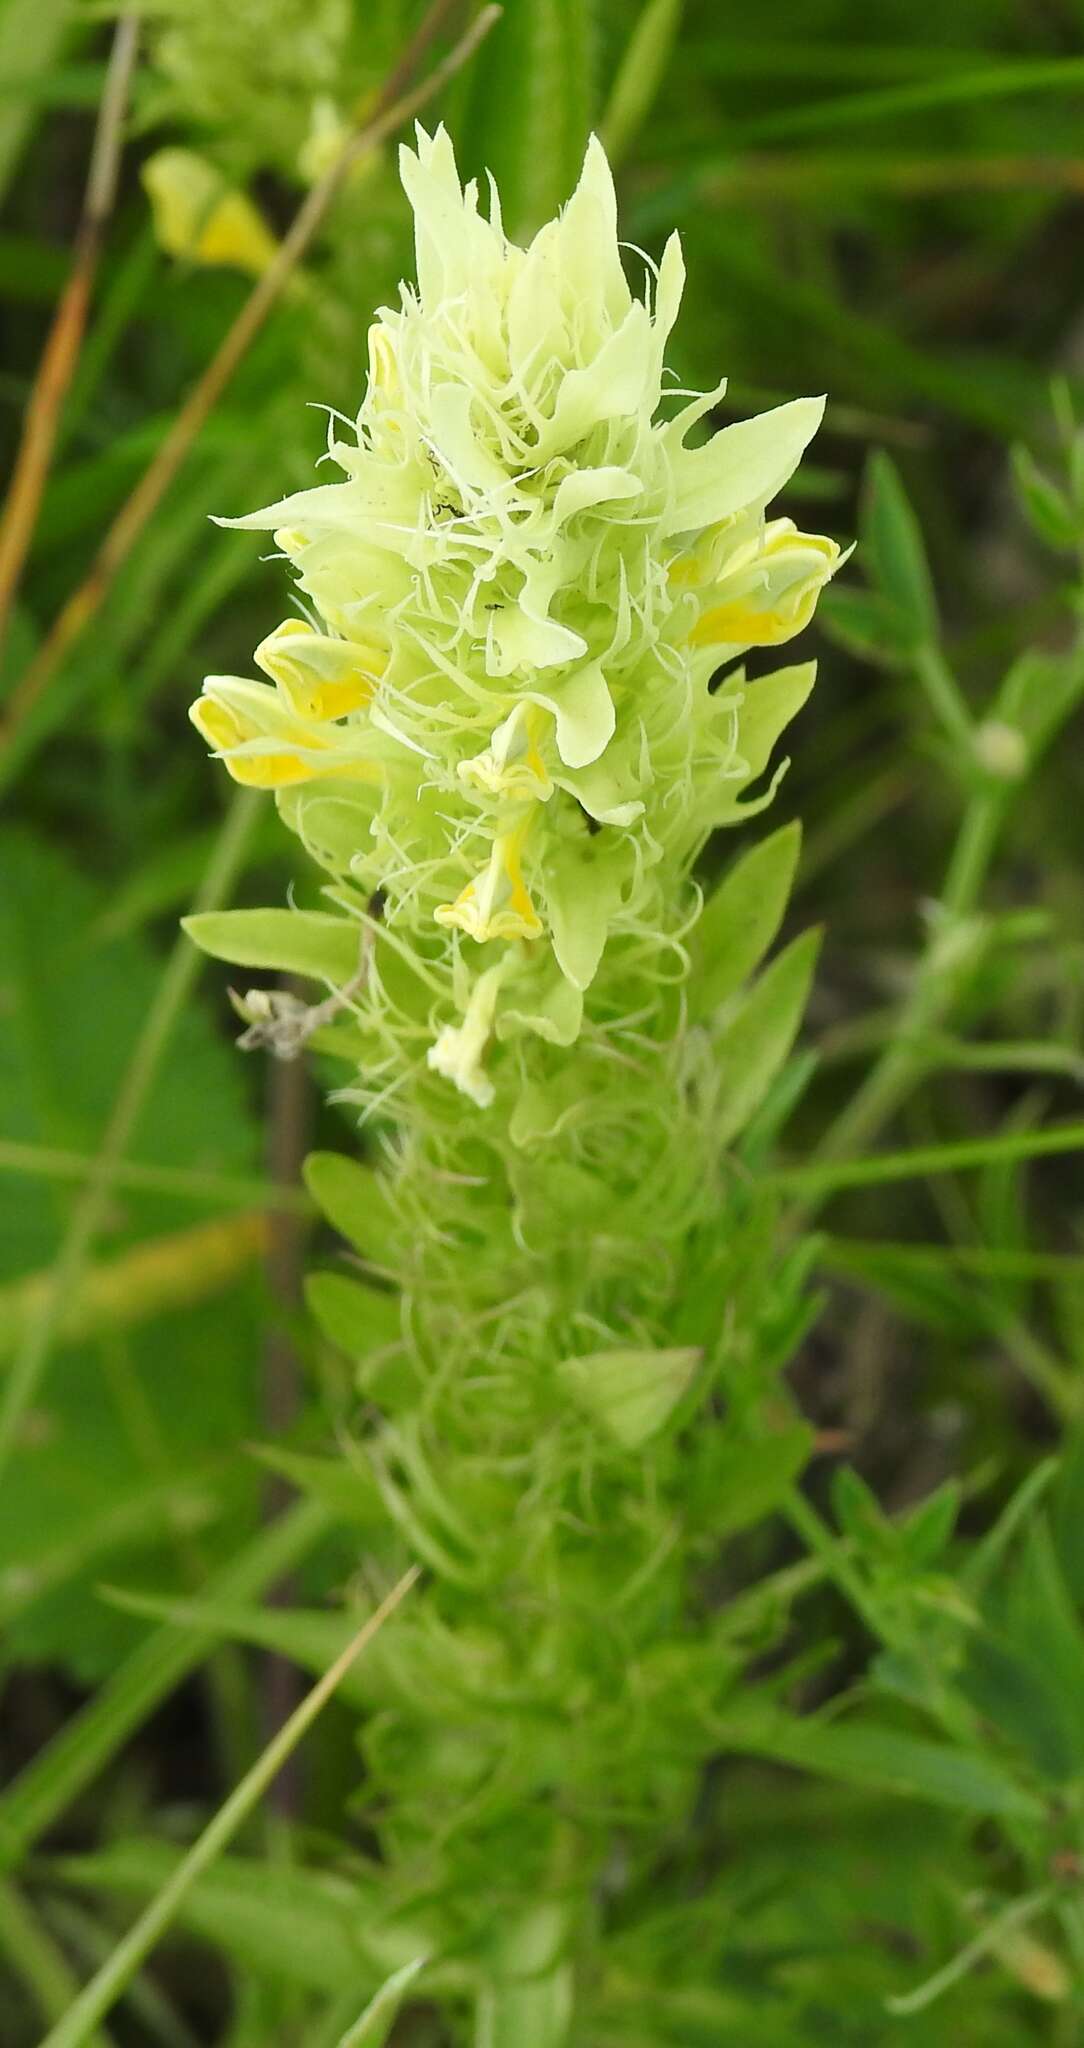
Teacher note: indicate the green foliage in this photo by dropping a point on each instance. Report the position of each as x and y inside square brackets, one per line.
[741, 1697]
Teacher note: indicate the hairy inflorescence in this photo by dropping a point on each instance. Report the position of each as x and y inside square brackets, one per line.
[504, 719]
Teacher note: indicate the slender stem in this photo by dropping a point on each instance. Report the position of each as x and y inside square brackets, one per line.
[107, 1985]
[973, 851]
[95, 1734]
[289, 1116]
[85, 603]
[61, 351]
[1014, 1916]
[952, 1712]
[905, 1058]
[92, 1207]
[762, 177]
[47, 1162]
[944, 693]
[821, 1178]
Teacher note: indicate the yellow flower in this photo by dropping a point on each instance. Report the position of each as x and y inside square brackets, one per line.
[458, 1049]
[270, 739]
[769, 589]
[265, 745]
[201, 219]
[319, 676]
[511, 766]
[496, 905]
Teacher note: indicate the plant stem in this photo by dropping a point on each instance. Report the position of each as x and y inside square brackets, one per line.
[944, 693]
[85, 603]
[904, 1058]
[95, 1734]
[61, 351]
[230, 1190]
[74, 2030]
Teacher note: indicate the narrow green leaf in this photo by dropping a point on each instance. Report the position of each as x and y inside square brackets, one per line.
[893, 545]
[863, 1753]
[932, 1159]
[306, 1636]
[741, 918]
[639, 75]
[531, 105]
[344, 1490]
[312, 1928]
[754, 1044]
[1049, 511]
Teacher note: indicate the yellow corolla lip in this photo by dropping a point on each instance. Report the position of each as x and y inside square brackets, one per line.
[496, 904]
[383, 371]
[320, 677]
[274, 750]
[774, 590]
[512, 766]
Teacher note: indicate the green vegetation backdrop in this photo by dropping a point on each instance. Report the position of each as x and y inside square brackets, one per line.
[879, 1503]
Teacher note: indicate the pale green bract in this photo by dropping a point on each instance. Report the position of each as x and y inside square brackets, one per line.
[498, 710]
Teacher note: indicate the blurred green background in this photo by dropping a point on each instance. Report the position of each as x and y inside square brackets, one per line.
[882, 204]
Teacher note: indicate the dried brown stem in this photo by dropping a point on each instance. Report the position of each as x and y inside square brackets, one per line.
[85, 602]
[61, 351]
[770, 176]
[289, 1118]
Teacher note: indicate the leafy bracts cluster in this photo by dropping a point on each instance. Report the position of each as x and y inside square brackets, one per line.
[496, 727]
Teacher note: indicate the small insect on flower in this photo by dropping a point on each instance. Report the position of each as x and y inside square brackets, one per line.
[524, 586]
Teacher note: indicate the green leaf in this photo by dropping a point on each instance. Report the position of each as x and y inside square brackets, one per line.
[133, 1397]
[895, 552]
[357, 1318]
[32, 36]
[863, 623]
[530, 108]
[346, 1490]
[766, 708]
[927, 1531]
[291, 941]
[741, 918]
[306, 1636]
[1014, 1695]
[753, 1045]
[865, 1753]
[376, 2021]
[1041, 1620]
[630, 1393]
[1049, 511]
[307, 1927]
[639, 75]
[1067, 1514]
[752, 1479]
[354, 1198]
[857, 1510]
